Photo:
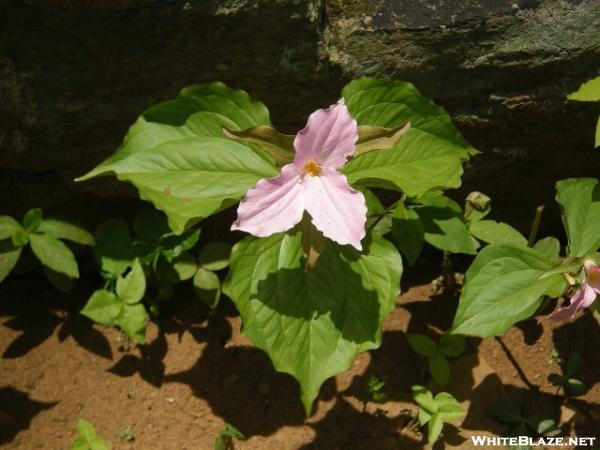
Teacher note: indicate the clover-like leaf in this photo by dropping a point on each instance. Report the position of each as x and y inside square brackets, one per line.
[88, 439]
[132, 320]
[207, 287]
[103, 307]
[439, 368]
[185, 265]
[421, 344]
[312, 324]
[114, 247]
[215, 255]
[452, 345]
[424, 399]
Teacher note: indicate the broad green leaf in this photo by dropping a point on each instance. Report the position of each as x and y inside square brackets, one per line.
[131, 288]
[312, 324]
[448, 408]
[207, 287]
[587, 92]
[8, 226]
[439, 368]
[579, 200]
[378, 219]
[103, 307]
[185, 265]
[549, 246]
[434, 428]
[408, 232]
[190, 179]
[502, 287]
[53, 254]
[114, 247]
[215, 255]
[424, 399]
[567, 265]
[179, 159]
[429, 156]
[494, 232]
[444, 226]
[67, 231]
[421, 344]
[33, 219]
[452, 345]
[132, 321]
[9, 255]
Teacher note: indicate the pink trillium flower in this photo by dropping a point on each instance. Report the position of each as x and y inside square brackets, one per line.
[584, 297]
[311, 183]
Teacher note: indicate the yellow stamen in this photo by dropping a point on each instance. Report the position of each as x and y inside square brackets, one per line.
[312, 168]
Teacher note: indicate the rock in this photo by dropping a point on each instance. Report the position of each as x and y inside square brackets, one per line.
[74, 75]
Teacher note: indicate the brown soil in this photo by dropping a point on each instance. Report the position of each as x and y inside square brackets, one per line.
[198, 372]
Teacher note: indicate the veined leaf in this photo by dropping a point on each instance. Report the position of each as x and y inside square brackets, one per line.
[502, 287]
[54, 254]
[579, 200]
[428, 157]
[312, 324]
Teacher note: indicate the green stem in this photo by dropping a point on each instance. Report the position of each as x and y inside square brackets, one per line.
[535, 226]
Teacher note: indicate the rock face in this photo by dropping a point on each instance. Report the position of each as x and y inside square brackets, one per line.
[74, 75]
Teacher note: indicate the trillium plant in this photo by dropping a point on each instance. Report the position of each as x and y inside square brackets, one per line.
[313, 278]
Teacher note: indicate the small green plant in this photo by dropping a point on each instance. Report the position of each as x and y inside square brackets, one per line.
[88, 439]
[525, 425]
[589, 92]
[435, 411]
[570, 385]
[226, 437]
[450, 346]
[372, 391]
[126, 434]
[45, 239]
[212, 258]
[121, 306]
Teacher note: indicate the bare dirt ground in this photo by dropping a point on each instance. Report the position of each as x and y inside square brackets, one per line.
[198, 372]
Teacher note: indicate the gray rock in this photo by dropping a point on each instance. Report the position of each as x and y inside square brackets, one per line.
[74, 75]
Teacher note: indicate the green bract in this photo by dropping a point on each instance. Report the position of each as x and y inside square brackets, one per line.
[313, 324]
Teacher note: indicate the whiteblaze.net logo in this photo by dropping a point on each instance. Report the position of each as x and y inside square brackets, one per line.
[485, 441]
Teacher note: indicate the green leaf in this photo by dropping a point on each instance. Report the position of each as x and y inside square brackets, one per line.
[443, 225]
[452, 345]
[423, 417]
[114, 248]
[131, 288]
[434, 428]
[408, 233]
[448, 408]
[312, 324]
[53, 254]
[228, 433]
[575, 386]
[439, 368]
[549, 246]
[88, 439]
[207, 287]
[33, 219]
[132, 321]
[185, 265]
[8, 226]
[587, 92]
[103, 307]
[421, 344]
[375, 210]
[215, 255]
[9, 255]
[179, 159]
[174, 245]
[597, 140]
[494, 232]
[424, 399]
[502, 287]
[579, 200]
[20, 237]
[428, 157]
[556, 379]
[67, 231]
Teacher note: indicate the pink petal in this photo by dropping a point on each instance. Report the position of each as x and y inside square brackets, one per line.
[593, 275]
[583, 298]
[273, 205]
[328, 139]
[337, 210]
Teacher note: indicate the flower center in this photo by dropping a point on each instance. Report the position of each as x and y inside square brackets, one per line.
[593, 277]
[312, 168]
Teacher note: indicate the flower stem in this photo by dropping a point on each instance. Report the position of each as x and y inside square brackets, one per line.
[535, 226]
